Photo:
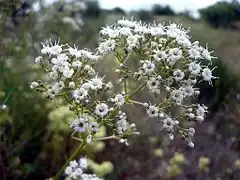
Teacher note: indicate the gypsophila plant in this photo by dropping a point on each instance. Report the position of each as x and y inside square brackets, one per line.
[169, 68]
[76, 170]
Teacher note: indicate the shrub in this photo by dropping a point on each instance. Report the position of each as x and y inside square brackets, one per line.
[162, 10]
[221, 14]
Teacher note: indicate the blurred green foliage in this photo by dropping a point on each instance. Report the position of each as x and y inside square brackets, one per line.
[222, 14]
[162, 10]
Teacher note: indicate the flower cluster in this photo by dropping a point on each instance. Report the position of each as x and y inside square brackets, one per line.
[168, 64]
[170, 68]
[76, 170]
[72, 76]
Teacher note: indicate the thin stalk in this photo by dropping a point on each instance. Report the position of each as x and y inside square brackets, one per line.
[134, 92]
[72, 157]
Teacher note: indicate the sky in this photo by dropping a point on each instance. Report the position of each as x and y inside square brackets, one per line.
[177, 5]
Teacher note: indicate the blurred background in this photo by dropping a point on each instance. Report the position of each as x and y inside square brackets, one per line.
[34, 133]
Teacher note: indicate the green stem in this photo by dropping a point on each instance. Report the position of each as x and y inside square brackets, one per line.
[136, 102]
[134, 92]
[72, 157]
[106, 138]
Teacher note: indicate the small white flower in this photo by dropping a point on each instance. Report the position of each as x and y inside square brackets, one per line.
[71, 84]
[67, 73]
[194, 68]
[83, 163]
[80, 94]
[86, 85]
[96, 83]
[188, 91]
[125, 31]
[177, 96]
[175, 53]
[201, 110]
[178, 75]
[160, 55]
[34, 85]
[38, 60]
[101, 109]
[148, 66]
[94, 126]
[106, 46]
[73, 164]
[55, 50]
[207, 75]
[153, 85]
[194, 53]
[109, 85]
[207, 55]
[80, 124]
[62, 57]
[3, 106]
[76, 64]
[45, 49]
[68, 170]
[169, 123]
[152, 111]
[119, 99]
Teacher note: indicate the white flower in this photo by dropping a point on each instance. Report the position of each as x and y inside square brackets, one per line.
[201, 110]
[153, 85]
[157, 31]
[80, 94]
[194, 53]
[38, 59]
[184, 41]
[207, 75]
[80, 124]
[188, 91]
[127, 23]
[119, 99]
[160, 55]
[62, 57]
[67, 73]
[71, 84]
[94, 126]
[109, 85]
[101, 109]
[57, 87]
[76, 64]
[177, 96]
[34, 85]
[53, 75]
[96, 83]
[194, 68]
[55, 50]
[169, 123]
[207, 55]
[122, 126]
[86, 85]
[73, 164]
[148, 66]
[152, 111]
[83, 163]
[68, 170]
[175, 54]
[45, 49]
[106, 46]
[125, 31]
[178, 75]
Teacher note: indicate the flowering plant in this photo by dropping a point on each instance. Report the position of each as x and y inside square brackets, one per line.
[170, 67]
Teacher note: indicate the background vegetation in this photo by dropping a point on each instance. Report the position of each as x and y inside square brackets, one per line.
[34, 133]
